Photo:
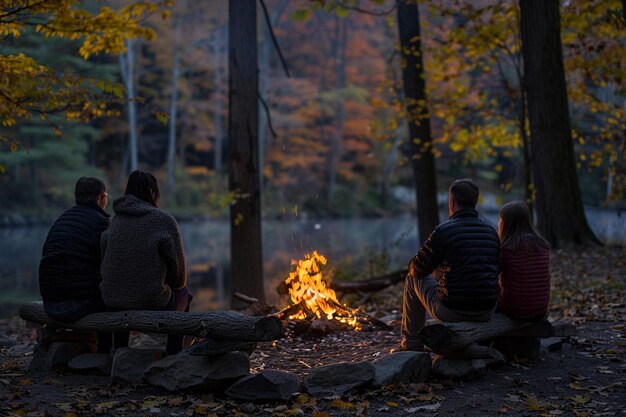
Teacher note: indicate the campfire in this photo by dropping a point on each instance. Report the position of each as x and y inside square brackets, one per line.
[311, 295]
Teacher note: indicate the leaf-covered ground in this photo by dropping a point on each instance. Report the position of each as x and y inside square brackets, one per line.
[586, 378]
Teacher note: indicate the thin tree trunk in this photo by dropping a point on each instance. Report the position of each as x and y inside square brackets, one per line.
[245, 212]
[340, 46]
[265, 77]
[127, 68]
[171, 142]
[390, 163]
[218, 46]
[529, 196]
[560, 214]
[420, 146]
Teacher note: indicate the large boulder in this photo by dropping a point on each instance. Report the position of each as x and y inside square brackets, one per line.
[185, 371]
[91, 363]
[55, 356]
[338, 378]
[269, 385]
[401, 368]
[129, 364]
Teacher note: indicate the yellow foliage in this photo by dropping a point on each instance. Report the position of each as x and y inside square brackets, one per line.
[341, 405]
[28, 88]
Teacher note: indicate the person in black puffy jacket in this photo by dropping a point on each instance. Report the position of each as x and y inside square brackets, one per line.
[69, 271]
[454, 276]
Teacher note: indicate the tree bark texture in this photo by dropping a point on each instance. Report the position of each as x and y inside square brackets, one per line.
[221, 325]
[244, 175]
[420, 138]
[560, 214]
[447, 337]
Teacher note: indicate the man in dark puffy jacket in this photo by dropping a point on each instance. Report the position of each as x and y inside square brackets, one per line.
[69, 271]
[454, 276]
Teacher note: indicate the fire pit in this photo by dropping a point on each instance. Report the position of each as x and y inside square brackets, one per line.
[313, 303]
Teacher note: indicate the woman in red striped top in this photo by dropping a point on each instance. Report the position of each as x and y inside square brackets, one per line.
[524, 264]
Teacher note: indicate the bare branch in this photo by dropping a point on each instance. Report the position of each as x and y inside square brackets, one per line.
[274, 41]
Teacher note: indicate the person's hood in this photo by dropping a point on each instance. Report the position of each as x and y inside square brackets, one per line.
[132, 206]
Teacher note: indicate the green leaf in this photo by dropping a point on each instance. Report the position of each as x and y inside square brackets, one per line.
[341, 11]
[301, 14]
[162, 117]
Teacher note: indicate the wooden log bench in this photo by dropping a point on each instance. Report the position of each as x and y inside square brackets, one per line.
[512, 337]
[222, 331]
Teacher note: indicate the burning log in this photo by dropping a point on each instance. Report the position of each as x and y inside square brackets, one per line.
[314, 300]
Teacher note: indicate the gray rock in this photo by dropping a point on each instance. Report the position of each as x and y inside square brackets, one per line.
[268, 385]
[562, 328]
[338, 378]
[96, 363]
[21, 349]
[6, 342]
[184, 371]
[551, 344]
[389, 318]
[148, 341]
[401, 368]
[458, 368]
[475, 351]
[129, 364]
[55, 355]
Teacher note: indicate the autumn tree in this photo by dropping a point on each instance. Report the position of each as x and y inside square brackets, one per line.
[30, 88]
[560, 214]
[244, 185]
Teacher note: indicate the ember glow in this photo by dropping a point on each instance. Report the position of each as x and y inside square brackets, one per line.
[310, 291]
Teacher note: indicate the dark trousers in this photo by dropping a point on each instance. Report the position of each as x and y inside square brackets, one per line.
[74, 310]
[180, 300]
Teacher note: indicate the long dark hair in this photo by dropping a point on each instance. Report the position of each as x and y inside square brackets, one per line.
[516, 227]
[143, 185]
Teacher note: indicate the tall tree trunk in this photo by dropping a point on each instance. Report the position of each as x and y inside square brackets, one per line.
[127, 68]
[171, 142]
[560, 214]
[340, 46]
[420, 140]
[245, 213]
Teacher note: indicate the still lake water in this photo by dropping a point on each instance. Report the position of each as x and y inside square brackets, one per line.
[349, 244]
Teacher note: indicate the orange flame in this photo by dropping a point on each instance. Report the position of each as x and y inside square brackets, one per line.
[307, 285]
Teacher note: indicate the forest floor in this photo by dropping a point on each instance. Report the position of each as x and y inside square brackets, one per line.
[586, 378]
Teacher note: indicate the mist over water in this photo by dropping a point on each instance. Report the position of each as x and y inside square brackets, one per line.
[349, 244]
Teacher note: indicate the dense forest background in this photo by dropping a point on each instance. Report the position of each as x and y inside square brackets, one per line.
[333, 127]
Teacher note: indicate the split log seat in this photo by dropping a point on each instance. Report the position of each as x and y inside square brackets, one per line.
[223, 331]
[512, 337]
